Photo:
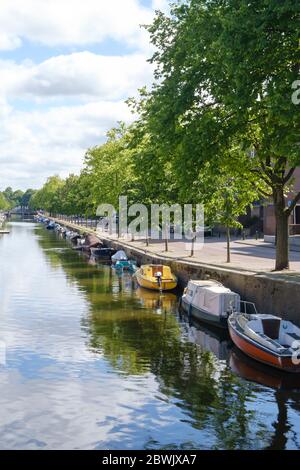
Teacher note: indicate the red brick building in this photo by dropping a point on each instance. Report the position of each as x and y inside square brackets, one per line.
[269, 217]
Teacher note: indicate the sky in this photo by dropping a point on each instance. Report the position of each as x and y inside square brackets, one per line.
[66, 68]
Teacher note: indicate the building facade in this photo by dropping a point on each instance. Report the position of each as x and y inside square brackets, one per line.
[269, 215]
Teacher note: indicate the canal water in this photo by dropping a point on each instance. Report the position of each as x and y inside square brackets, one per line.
[88, 361]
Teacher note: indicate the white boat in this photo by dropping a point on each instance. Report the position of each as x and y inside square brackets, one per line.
[119, 256]
[267, 338]
[210, 301]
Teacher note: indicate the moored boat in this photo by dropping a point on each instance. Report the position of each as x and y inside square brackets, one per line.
[50, 225]
[210, 301]
[156, 277]
[267, 338]
[104, 254]
[120, 255]
[87, 243]
[125, 265]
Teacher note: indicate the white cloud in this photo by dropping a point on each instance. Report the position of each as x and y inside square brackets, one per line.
[72, 22]
[162, 5]
[36, 144]
[51, 111]
[53, 138]
[8, 42]
[81, 74]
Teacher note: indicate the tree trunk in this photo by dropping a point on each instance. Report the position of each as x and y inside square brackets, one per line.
[228, 244]
[282, 231]
[281, 426]
[166, 239]
[193, 246]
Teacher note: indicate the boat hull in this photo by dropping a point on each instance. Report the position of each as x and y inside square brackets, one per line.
[201, 315]
[147, 284]
[125, 266]
[102, 254]
[261, 354]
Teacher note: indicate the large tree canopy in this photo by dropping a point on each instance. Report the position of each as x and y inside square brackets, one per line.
[219, 125]
[225, 70]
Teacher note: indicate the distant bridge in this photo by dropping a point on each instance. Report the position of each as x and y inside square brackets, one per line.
[24, 212]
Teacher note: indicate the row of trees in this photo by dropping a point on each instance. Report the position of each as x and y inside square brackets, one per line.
[218, 126]
[10, 199]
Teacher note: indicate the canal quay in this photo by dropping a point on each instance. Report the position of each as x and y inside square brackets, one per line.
[250, 272]
[91, 361]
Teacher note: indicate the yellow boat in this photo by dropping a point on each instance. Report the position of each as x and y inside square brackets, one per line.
[156, 277]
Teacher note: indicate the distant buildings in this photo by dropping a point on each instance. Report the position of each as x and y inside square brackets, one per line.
[269, 224]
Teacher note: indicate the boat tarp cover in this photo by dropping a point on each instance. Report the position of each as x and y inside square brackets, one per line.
[214, 299]
[119, 256]
[92, 241]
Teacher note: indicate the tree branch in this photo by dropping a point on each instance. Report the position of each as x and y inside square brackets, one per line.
[290, 209]
[267, 180]
[289, 175]
[264, 193]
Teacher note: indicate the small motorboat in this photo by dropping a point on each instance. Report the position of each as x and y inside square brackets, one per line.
[76, 238]
[119, 256]
[50, 225]
[87, 243]
[267, 338]
[125, 265]
[210, 301]
[104, 254]
[156, 277]
[69, 234]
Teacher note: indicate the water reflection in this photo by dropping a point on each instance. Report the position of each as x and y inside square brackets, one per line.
[160, 302]
[286, 386]
[94, 362]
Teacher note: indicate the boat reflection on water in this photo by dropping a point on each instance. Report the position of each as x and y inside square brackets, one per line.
[213, 340]
[286, 388]
[254, 371]
[160, 302]
[218, 342]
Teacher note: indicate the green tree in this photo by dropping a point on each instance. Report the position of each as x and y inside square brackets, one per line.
[8, 194]
[109, 167]
[26, 198]
[48, 197]
[228, 200]
[224, 71]
[13, 197]
[17, 197]
[4, 204]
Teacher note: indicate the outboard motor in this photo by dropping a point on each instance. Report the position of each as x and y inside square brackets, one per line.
[158, 276]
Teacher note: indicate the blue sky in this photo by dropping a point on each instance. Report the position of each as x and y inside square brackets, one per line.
[66, 68]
